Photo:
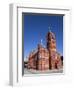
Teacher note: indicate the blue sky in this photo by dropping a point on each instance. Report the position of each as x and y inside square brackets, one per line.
[36, 28]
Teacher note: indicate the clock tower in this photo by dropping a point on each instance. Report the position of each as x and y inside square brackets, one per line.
[51, 46]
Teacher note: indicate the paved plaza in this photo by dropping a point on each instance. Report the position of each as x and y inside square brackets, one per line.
[31, 71]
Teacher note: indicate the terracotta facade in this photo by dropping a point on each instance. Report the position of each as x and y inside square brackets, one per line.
[45, 58]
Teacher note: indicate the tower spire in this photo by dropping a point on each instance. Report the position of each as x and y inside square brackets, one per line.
[41, 42]
[49, 29]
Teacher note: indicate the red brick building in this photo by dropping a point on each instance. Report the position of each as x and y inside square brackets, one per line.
[45, 58]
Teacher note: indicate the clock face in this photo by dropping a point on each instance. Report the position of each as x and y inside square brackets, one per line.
[40, 56]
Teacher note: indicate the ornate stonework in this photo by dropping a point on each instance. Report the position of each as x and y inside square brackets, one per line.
[45, 58]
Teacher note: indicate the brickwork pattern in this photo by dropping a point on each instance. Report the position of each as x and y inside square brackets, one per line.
[45, 58]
